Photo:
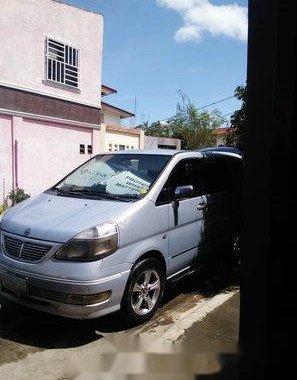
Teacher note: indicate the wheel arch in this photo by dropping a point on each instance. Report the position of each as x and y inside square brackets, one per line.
[155, 255]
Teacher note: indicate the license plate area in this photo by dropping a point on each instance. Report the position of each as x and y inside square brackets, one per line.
[14, 284]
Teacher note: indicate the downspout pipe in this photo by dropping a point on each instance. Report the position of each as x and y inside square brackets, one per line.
[12, 154]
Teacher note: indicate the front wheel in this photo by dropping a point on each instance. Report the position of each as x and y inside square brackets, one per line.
[144, 291]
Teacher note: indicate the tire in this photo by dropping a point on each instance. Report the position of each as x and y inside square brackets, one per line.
[144, 291]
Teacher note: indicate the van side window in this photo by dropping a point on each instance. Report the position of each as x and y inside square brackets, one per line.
[164, 197]
[184, 174]
[213, 175]
[236, 171]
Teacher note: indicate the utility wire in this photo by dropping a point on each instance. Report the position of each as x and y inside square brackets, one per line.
[219, 101]
[208, 105]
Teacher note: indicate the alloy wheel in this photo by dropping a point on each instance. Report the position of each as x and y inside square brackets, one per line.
[146, 292]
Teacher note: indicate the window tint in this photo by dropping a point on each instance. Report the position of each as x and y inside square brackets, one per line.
[206, 175]
[236, 170]
[184, 174]
[213, 175]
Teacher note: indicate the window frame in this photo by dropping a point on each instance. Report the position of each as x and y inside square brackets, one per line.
[61, 82]
[169, 185]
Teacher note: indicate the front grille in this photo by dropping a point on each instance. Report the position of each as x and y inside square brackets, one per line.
[13, 246]
[47, 294]
[24, 250]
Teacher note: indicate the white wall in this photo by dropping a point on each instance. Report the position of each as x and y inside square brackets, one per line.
[152, 142]
[111, 118]
[24, 26]
[117, 138]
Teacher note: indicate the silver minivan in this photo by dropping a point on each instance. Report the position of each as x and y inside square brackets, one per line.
[112, 233]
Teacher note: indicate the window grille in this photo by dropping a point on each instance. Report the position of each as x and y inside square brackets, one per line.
[62, 63]
[82, 149]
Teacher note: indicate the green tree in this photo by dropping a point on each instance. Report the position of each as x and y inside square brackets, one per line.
[192, 126]
[143, 126]
[238, 119]
[158, 129]
[18, 195]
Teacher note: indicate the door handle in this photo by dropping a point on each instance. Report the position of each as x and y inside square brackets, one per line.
[201, 206]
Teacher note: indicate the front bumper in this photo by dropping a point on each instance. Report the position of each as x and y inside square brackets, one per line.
[50, 295]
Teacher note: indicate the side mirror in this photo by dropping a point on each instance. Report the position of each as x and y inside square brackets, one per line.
[182, 192]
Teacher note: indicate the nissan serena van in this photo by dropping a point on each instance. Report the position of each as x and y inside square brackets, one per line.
[112, 233]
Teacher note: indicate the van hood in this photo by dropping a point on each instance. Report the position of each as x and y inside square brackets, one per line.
[57, 218]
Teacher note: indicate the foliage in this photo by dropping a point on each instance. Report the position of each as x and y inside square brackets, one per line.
[192, 126]
[158, 129]
[18, 195]
[3, 208]
[238, 119]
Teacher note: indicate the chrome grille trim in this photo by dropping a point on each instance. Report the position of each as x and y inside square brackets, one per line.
[24, 249]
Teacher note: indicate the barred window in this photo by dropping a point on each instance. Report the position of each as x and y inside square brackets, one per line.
[82, 149]
[62, 63]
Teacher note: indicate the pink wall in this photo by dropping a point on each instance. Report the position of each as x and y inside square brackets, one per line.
[28, 23]
[5, 156]
[46, 152]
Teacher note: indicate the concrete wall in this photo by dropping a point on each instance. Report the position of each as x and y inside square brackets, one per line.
[111, 118]
[43, 152]
[151, 142]
[116, 136]
[116, 139]
[24, 27]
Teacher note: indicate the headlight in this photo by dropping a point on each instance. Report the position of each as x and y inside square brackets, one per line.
[91, 245]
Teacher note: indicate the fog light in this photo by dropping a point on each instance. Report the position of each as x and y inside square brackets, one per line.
[78, 299]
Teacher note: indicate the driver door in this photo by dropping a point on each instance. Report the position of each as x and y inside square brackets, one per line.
[186, 217]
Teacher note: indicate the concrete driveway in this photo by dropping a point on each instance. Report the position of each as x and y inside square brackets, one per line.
[28, 337]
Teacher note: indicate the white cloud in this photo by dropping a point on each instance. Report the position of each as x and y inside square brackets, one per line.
[201, 16]
[188, 33]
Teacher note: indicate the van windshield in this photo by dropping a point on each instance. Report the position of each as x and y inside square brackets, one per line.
[118, 175]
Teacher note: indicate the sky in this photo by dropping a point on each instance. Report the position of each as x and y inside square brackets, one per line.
[153, 49]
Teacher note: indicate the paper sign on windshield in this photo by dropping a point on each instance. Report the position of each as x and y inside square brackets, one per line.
[126, 183]
[92, 177]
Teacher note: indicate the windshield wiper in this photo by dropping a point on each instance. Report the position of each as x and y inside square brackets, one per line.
[65, 193]
[79, 192]
[59, 190]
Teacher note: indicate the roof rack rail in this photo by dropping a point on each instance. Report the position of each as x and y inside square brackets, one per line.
[221, 149]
